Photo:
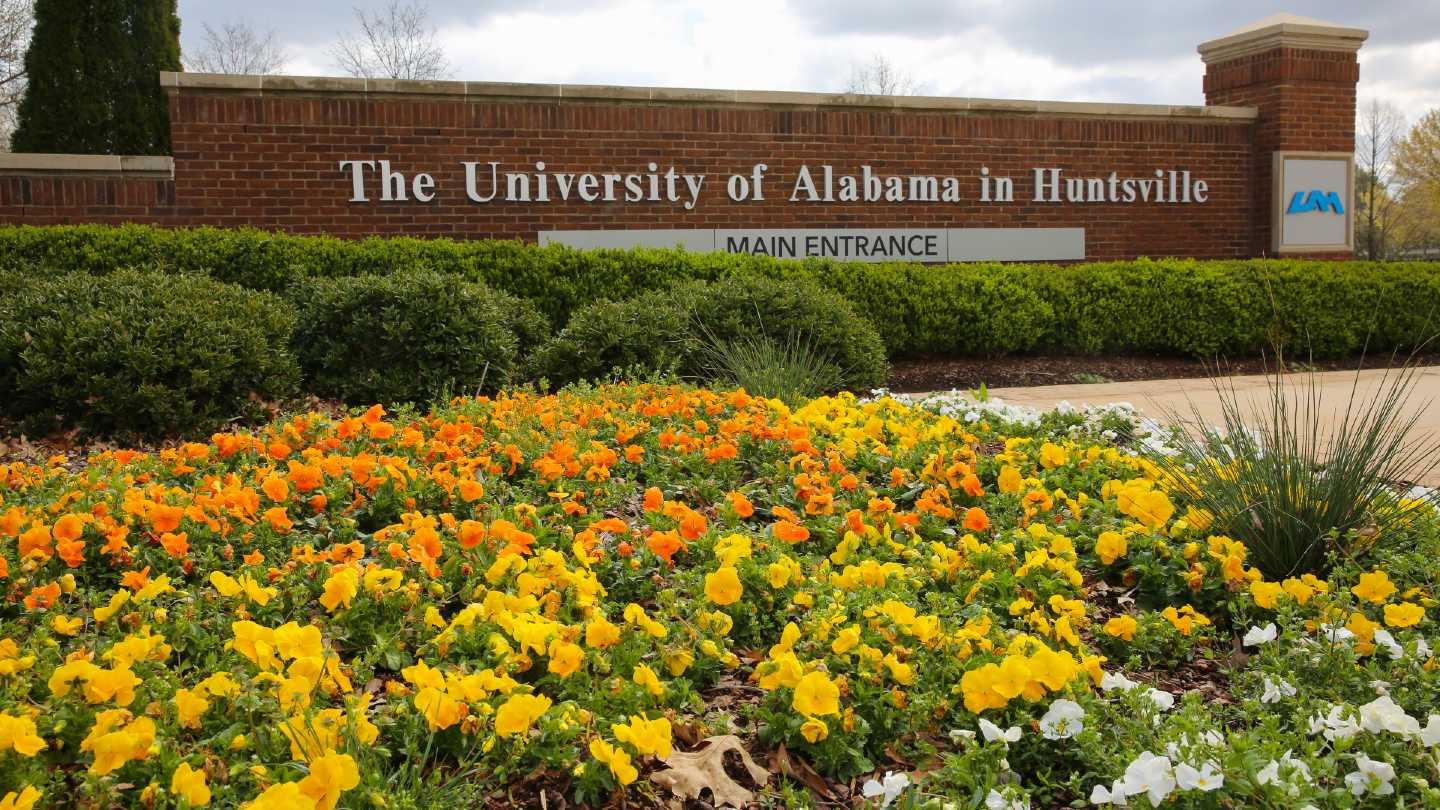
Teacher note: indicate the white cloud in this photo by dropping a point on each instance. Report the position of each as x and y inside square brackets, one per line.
[1404, 76]
[763, 44]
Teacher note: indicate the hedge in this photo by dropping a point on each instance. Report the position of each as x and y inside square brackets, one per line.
[138, 355]
[1168, 306]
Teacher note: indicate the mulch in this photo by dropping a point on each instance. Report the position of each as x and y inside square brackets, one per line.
[915, 375]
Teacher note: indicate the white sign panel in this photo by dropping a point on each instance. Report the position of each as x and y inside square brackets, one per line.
[852, 244]
[1314, 195]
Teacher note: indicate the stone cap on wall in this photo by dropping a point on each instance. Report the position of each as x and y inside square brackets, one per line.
[1282, 31]
[133, 166]
[493, 91]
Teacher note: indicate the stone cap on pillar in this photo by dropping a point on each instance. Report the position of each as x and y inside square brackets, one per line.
[1282, 31]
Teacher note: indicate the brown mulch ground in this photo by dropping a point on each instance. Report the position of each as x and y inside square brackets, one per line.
[944, 373]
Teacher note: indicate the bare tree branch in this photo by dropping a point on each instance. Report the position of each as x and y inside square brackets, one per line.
[237, 48]
[1379, 128]
[881, 78]
[17, 17]
[396, 42]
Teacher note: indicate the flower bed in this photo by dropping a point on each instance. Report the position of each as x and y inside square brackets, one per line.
[567, 596]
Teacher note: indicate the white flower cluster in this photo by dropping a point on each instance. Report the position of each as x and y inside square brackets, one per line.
[1382, 714]
[1184, 766]
[964, 407]
[1156, 777]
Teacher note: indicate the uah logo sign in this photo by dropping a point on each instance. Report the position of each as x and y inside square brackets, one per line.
[1315, 200]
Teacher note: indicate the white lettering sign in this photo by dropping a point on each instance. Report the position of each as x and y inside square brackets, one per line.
[539, 183]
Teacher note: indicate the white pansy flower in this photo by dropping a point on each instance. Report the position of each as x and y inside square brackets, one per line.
[1370, 776]
[1335, 725]
[1392, 648]
[1269, 773]
[1297, 767]
[1063, 720]
[1335, 634]
[1206, 778]
[1430, 735]
[1276, 690]
[1256, 636]
[1116, 680]
[887, 789]
[1115, 794]
[1152, 775]
[994, 733]
[1162, 699]
[1383, 714]
[1298, 773]
[995, 800]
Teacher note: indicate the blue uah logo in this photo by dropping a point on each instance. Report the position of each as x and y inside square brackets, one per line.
[1315, 200]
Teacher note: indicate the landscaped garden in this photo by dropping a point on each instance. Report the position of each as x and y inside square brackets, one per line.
[670, 590]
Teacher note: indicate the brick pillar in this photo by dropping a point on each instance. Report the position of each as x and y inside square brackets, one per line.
[1300, 74]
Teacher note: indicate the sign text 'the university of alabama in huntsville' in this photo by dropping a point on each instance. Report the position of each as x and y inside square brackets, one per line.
[377, 180]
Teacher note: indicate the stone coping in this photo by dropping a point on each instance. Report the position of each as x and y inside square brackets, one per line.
[22, 163]
[320, 85]
[1282, 31]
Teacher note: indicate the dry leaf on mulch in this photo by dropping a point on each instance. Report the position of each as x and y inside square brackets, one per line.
[692, 772]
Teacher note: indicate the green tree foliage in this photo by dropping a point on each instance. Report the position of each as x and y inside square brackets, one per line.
[93, 70]
[1416, 162]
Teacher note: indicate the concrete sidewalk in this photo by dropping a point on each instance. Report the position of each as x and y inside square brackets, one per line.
[1156, 398]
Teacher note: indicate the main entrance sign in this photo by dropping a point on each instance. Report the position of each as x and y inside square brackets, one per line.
[852, 244]
[868, 178]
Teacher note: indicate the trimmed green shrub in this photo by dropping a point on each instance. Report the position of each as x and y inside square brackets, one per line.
[409, 337]
[141, 354]
[670, 330]
[1169, 306]
[650, 333]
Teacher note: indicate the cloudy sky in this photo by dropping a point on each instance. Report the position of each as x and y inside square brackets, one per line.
[1105, 50]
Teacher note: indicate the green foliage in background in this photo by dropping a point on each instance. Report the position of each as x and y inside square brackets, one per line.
[92, 70]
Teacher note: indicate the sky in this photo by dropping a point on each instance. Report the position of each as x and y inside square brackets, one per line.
[1070, 50]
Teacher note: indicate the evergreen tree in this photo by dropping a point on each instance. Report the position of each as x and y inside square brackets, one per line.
[93, 69]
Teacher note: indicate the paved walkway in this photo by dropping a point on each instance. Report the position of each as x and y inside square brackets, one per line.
[1156, 398]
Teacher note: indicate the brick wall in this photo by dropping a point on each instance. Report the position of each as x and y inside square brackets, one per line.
[272, 162]
[265, 152]
[1306, 102]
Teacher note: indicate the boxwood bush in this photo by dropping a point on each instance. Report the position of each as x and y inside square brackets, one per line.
[668, 330]
[1170, 306]
[409, 336]
[141, 355]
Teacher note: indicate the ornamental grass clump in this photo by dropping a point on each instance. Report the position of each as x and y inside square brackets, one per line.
[1295, 486]
[790, 370]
